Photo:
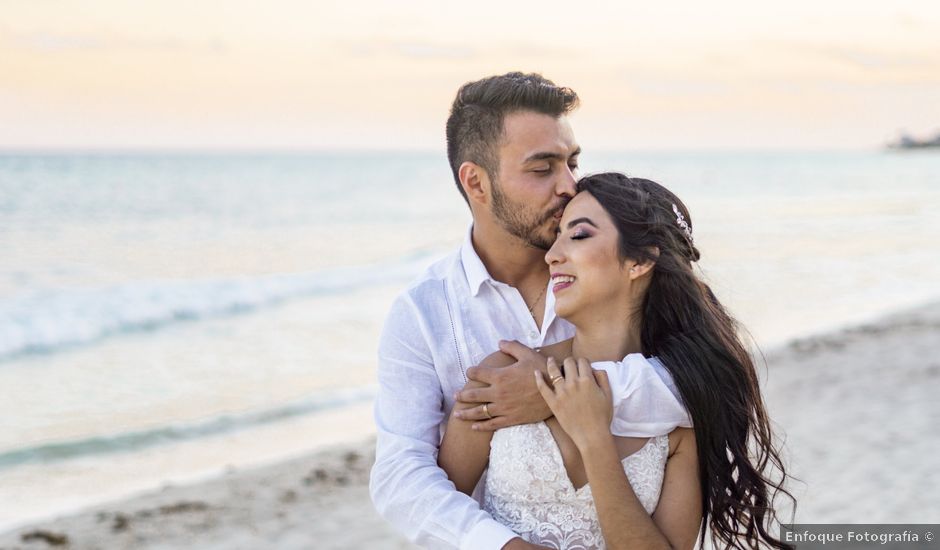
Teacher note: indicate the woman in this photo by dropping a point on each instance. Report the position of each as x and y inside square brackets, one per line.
[622, 274]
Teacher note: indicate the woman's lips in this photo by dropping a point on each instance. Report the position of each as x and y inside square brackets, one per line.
[562, 282]
[560, 286]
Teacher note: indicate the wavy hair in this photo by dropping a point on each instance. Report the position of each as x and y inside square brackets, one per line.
[684, 324]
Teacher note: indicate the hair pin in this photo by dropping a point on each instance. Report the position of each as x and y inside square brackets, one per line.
[680, 221]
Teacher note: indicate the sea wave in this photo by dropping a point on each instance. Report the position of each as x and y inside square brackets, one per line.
[48, 321]
[161, 435]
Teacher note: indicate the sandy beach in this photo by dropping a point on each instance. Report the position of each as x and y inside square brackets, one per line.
[857, 406]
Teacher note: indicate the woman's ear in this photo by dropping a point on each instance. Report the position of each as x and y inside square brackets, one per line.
[640, 269]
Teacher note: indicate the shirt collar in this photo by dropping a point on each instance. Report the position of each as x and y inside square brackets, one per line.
[472, 264]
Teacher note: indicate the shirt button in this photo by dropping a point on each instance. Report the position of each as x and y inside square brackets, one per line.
[534, 335]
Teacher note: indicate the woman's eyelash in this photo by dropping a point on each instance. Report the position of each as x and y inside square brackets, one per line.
[580, 235]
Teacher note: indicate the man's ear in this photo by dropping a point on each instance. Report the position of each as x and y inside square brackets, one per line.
[475, 182]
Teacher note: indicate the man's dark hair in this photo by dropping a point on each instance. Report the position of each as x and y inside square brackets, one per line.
[475, 124]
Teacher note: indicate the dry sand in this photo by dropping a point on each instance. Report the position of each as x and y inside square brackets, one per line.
[317, 501]
[858, 406]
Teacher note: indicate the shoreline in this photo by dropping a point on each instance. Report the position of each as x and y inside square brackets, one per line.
[287, 504]
[85, 482]
[855, 405]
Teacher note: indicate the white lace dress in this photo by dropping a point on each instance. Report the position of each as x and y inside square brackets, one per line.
[528, 489]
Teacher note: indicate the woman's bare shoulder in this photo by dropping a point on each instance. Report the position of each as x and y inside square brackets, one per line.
[559, 350]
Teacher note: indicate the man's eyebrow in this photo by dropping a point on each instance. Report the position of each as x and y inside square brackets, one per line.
[588, 221]
[547, 155]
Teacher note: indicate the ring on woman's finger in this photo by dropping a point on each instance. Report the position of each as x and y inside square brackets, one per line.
[556, 379]
[486, 411]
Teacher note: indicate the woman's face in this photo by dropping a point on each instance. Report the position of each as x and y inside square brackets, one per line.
[587, 274]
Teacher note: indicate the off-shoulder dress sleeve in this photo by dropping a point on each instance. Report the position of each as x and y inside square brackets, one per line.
[646, 400]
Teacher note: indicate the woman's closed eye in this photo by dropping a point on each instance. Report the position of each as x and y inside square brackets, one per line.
[580, 234]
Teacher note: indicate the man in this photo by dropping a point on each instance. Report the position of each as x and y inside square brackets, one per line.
[515, 159]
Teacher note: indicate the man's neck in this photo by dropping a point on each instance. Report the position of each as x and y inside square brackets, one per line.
[507, 258]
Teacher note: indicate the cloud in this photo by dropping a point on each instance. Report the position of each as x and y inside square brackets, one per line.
[51, 42]
[412, 49]
[677, 87]
[436, 50]
[871, 59]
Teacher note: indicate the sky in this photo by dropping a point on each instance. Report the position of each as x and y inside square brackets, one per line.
[325, 75]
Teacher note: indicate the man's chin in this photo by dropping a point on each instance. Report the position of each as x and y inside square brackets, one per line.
[546, 237]
[542, 241]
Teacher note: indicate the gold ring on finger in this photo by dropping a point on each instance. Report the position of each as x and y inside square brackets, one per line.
[486, 411]
[556, 379]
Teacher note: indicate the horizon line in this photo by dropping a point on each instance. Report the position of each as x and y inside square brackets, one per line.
[226, 151]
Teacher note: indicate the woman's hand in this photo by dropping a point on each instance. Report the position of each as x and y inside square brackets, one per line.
[580, 399]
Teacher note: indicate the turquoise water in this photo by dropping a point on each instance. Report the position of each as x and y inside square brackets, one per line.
[153, 301]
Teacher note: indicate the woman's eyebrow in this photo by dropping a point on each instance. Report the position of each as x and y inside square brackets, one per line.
[588, 221]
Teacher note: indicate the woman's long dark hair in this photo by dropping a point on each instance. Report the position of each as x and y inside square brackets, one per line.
[696, 339]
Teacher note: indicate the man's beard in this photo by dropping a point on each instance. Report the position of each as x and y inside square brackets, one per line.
[520, 222]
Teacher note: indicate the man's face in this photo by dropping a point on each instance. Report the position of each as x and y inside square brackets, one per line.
[538, 164]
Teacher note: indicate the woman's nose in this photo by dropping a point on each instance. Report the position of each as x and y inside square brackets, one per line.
[553, 256]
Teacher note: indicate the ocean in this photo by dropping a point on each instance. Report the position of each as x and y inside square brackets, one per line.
[164, 317]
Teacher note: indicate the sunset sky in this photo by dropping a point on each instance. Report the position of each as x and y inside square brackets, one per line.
[313, 75]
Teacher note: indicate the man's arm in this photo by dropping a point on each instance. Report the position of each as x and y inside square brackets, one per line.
[407, 486]
[646, 401]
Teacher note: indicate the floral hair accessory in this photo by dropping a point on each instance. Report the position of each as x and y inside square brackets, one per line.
[680, 221]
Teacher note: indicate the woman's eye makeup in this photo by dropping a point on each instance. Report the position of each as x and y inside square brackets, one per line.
[580, 234]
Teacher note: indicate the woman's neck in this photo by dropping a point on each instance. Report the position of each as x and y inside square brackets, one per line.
[606, 340]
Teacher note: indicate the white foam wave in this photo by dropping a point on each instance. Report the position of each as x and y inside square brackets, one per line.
[50, 320]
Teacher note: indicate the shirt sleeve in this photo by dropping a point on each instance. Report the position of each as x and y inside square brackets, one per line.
[407, 487]
[646, 400]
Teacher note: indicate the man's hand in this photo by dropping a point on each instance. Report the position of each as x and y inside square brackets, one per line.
[510, 394]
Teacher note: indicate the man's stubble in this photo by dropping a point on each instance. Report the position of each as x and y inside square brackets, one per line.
[518, 220]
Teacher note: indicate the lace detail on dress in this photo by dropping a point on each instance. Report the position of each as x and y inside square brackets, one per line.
[528, 490]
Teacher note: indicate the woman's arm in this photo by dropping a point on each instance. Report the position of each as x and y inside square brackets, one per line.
[624, 521]
[464, 451]
[582, 404]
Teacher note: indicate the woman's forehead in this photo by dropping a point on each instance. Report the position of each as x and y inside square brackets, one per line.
[584, 205]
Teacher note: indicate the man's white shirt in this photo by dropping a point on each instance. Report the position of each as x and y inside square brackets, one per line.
[448, 320]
